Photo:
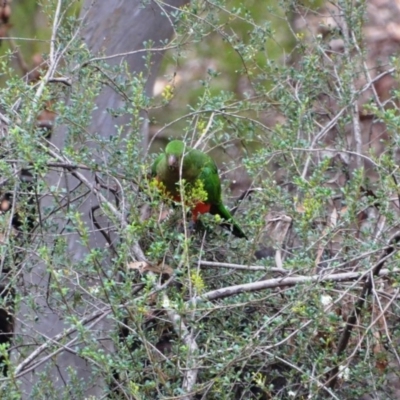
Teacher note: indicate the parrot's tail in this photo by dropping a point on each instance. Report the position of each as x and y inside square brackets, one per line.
[230, 223]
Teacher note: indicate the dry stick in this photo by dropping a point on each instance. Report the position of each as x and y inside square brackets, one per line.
[190, 375]
[366, 290]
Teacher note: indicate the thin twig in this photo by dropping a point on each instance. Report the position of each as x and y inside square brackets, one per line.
[354, 106]
[243, 267]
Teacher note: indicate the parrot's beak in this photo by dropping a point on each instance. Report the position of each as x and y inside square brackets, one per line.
[172, 162]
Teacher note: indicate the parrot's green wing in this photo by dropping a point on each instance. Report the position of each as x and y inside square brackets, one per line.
[208, 175]
[155, 164]
[212, 185]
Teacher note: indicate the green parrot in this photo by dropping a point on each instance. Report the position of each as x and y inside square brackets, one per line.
[180, 161]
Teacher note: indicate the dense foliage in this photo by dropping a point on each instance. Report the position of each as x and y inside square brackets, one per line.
[306, 141]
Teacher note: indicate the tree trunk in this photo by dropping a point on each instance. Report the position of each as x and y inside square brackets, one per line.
[111, 28]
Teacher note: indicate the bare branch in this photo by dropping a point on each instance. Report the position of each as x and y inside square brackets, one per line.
[280, 282]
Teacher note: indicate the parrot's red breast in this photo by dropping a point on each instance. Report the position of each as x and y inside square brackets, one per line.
[199, 208]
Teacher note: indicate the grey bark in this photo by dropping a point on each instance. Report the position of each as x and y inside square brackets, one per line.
[111, 28]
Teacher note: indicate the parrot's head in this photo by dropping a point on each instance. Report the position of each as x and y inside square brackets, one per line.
[174, 152]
